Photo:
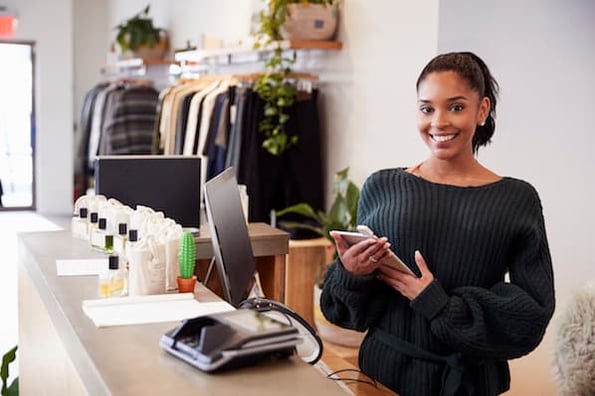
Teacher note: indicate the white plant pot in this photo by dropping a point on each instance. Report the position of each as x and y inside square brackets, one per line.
[331, 332]
[310, 22]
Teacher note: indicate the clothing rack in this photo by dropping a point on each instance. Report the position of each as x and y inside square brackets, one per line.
[245, 57]
[251, 77]
[159, 71]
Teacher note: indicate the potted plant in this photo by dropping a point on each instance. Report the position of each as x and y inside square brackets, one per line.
[341, 216]
[13, 389]
[272, 86]
[139, 37]
[187, 261]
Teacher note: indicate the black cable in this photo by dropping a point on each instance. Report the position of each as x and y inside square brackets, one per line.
[370, 381]
[265, 305]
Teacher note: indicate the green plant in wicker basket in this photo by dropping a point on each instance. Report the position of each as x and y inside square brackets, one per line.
[137, 31]
[187, 255]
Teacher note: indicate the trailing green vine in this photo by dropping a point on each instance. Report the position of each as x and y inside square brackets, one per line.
[273, 86]
[278, 96]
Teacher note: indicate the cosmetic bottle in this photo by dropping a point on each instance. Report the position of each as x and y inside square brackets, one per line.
[93, 221]
[132, 238]
[120, 239]
[128, 246]
[100, 239]
[112, 283]
[79, 225]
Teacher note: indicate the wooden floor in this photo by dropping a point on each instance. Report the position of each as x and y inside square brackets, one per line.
[337, 357]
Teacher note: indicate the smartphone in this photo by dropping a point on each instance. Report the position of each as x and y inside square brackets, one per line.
[353, 237]
[363, 233]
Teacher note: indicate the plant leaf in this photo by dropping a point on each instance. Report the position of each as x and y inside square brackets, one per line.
[295, 224]
[303, 209]
[13, 389]
[352, 200]
[7, 358]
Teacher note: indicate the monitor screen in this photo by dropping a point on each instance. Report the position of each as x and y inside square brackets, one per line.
[170, 184]
[229, 236]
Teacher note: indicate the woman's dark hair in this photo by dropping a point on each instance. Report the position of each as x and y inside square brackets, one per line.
[471, 68]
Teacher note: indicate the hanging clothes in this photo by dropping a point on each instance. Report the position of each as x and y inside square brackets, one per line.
[218, 117]
[81, 166]
[118, 117]
[276, 182]
[130, 122]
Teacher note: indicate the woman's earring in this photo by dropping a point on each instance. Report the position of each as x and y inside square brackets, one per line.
[483, 123]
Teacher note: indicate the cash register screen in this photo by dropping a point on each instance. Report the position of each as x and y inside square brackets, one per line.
[170, 184]
[229, 236]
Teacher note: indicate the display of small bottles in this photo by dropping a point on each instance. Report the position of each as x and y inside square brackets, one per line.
[112, 283]
[79, 225]
[120, 239]
[100, 239]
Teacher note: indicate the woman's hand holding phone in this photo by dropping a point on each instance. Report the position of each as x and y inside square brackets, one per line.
[360, 254]
[388, 258]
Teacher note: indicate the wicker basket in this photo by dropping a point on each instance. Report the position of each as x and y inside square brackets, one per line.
[310, 22]
[158, 52]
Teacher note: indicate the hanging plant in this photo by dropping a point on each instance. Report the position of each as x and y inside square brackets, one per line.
[273, 86]
[278, 96]
[138, 31]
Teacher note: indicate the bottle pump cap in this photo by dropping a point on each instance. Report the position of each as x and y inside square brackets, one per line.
[83, 213]
[122, 229]
[133, 235]
[114, 262]
[102, 223]
[94, 217]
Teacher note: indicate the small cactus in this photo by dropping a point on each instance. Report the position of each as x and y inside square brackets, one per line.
[187, 255]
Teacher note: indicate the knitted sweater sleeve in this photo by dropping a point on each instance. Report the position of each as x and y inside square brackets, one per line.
[353, 301]
[507, 320]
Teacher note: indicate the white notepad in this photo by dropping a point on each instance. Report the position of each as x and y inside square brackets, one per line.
[120, 311]
[78, 267]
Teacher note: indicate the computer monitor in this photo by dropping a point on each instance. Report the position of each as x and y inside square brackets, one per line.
[171, 184]
[229, 236]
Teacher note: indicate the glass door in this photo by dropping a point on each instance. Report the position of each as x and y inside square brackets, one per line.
[17, 126]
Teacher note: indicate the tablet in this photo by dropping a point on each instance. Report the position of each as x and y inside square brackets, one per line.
[392, 260]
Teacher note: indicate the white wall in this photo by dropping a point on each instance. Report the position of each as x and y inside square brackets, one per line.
[91, 43]
[50, 25]
[541, 52]
[369, 86]
[187, 20]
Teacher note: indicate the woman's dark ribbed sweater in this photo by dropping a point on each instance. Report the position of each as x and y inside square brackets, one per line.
[470, 238]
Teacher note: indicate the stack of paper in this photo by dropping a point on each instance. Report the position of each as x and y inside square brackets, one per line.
[149, 309]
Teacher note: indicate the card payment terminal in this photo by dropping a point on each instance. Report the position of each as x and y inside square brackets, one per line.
[230, 339]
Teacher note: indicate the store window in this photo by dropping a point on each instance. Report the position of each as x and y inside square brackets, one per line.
[17, 126]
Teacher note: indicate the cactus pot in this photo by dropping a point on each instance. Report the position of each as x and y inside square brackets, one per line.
[186, 285]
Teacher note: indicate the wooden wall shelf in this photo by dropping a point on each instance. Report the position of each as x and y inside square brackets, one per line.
[229, 53]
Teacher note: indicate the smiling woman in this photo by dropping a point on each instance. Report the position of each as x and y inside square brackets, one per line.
[16, 126]
[451, 327]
